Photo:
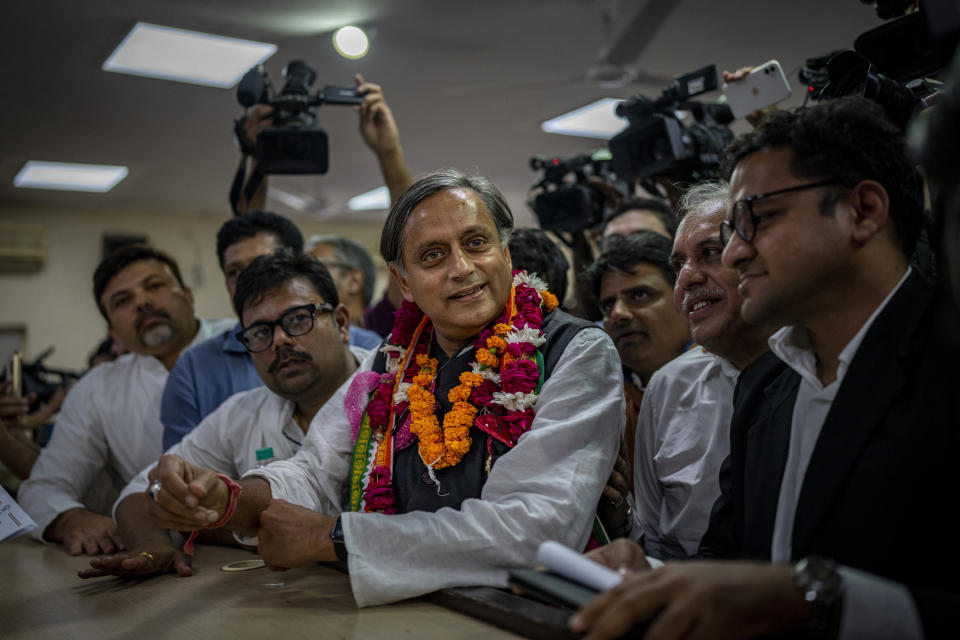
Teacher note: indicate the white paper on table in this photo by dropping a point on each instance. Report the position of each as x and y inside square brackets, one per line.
[14, 521]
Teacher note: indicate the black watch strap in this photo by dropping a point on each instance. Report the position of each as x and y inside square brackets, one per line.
[339, 544]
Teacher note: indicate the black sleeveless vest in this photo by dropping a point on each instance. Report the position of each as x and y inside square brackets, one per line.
[413, 488]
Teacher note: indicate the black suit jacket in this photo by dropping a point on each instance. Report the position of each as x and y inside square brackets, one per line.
[883, 485]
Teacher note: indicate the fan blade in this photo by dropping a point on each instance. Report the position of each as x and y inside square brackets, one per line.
[637, 33]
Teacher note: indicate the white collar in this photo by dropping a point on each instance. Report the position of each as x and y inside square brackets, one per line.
[792, 344]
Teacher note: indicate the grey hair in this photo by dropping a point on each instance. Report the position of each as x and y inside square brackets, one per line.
[351, 254]
[394, 229]
[704, 196]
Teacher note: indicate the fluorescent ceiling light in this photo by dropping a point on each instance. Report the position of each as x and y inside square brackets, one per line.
[186, 56]
[351, 42]
[288, 199]
[378, 198]
[595, 120]
[69, 176]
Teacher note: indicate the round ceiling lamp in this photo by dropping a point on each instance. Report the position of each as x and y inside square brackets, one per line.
[351, 42]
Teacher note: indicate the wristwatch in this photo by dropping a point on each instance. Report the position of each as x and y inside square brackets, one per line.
[821, 585]
[339, 544]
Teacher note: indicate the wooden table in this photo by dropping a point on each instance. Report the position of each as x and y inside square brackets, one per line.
[41, 597]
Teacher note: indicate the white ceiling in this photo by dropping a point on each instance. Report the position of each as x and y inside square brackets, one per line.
[469, 82]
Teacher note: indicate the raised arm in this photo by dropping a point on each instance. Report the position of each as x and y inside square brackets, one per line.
[379, 130]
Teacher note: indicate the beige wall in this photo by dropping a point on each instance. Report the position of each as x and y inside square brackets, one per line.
[56, 305]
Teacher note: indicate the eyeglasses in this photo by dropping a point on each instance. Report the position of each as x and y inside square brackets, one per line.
[294, 322]
[744, 221]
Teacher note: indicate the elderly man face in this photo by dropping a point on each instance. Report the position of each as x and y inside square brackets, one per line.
[706, 291]
[456, 268]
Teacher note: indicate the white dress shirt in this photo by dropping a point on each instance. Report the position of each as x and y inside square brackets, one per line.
[227, 440]
[683, 436]
[872, 607]
[109, 422]
[545, 488]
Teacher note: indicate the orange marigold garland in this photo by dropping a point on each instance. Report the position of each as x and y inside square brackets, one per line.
[497, 393]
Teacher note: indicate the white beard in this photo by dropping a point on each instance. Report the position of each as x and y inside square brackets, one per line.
[157, 336]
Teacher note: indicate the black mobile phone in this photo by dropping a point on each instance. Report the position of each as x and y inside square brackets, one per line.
[555, 590]
[341, 95]
[551, 588]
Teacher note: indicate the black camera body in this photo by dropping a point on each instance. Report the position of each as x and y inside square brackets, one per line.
[294, 144]
[896, 63]
[658, 143]
[562, 205]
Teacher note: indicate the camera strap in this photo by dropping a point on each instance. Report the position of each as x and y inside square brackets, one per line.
[237, 188]
[247, 148]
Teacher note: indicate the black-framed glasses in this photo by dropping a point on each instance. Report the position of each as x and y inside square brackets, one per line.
[744, 221]
[295, 321]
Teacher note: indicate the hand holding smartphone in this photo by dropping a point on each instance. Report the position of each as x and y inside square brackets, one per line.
[764, 86]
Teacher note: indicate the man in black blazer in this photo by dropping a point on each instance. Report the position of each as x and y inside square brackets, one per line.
[844, 437]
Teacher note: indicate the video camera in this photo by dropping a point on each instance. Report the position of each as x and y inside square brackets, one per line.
[564, 205]
[895, 64]
[294, 144]
[658, 143]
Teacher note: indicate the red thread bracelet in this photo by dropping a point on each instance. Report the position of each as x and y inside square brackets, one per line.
[234, 488]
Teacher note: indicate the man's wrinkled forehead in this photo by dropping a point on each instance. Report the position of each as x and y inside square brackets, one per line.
[700, 225]
[459, 205]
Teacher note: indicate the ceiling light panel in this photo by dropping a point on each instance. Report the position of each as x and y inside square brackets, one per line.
[69, 176]
[595, 120]
[186, 56]
[378, 198]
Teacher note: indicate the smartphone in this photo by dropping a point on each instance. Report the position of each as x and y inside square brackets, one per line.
[341, 95]
[552, 589]
[16, 373]
[762, 87]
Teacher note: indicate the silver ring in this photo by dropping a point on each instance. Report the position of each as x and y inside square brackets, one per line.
[154, 490]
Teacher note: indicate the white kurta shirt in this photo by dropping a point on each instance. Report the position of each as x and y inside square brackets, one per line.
[545, 488]
[227, 440]
[110, 420]
[683, 436]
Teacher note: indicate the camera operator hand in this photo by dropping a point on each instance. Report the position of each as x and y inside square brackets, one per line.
[379, 131]
[14, 409]
[377, 126]
[258, 119]
[754, 117]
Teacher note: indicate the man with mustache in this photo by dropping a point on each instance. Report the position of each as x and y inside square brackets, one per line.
[836, 497]
[109, 426]
[487, 424]
[206, 375]
[297, 333]
[684, 423]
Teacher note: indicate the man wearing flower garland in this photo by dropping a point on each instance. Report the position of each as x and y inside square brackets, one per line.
[487, 424]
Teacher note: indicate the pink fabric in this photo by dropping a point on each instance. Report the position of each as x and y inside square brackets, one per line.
[358, 394]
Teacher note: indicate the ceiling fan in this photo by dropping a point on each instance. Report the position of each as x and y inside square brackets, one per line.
[628, 36]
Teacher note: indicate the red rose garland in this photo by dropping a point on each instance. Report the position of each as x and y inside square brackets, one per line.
[497, 394]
